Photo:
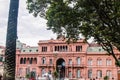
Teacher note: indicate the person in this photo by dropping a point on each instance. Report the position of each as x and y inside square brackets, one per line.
[0, 77]
[38, 77]
[32, 78]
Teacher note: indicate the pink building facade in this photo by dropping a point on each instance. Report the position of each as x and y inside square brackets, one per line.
[74, 60]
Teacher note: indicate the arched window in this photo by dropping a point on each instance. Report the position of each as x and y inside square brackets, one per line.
[24, 61]
[50, 61]
[43, 71]
[89, 61]
[31, 60]
[43, 60]
[99, 73]
[99, 62]
[70, 74]
[90, 73]
[35, 60]
[109, 73]
[21, 61]
[78, 61]
[78, 73]
[108, 62]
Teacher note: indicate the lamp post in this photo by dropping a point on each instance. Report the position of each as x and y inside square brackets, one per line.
[71, 71]
[29, 71]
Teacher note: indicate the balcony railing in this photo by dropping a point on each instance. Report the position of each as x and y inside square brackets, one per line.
[46, 65]
[67, 65]
[75, 65]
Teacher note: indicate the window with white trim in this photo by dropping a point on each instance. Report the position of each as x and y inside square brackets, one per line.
[43, 71]
[78, 73]
[90, 73]
[78, 61]
[70, 74]
[99, 62]
[70, 62]
[50, 61]
[109, 73]
[89, 62]
[99, 73]
[108, 62]
[43, 60]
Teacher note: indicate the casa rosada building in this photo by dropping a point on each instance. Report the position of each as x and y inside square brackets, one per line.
[74, 60]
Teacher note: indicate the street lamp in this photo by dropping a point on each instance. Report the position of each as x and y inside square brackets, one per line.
[71, 71]
[29, 71]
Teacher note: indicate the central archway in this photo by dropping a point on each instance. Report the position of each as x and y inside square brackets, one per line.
[60, 67]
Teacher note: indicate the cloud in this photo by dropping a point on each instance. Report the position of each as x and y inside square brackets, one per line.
[4, 6]
[30, 29]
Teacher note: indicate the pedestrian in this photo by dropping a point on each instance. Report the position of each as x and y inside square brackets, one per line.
[38, 77]
[32, 78]
[0, 77]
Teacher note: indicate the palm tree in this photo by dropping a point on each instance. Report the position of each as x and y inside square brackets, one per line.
[10, 52]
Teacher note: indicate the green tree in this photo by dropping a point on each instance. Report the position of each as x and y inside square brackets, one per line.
[55, 74]
[10, 51]
[91, 18]
[106, 78]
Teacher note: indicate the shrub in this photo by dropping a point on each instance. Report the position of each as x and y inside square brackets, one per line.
[106, 78]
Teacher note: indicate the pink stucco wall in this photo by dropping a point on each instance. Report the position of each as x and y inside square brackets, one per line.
[72, 54]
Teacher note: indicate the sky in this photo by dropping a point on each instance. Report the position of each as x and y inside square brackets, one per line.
[30, 29]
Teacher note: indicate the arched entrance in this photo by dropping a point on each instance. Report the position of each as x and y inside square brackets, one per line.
[60, 67]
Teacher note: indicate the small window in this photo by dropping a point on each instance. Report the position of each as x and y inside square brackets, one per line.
[78, 61]
[109, 73]
[31, 61]
[89, 62]
[43, 60]
[90, 73]
[37, 50]
[70, 62]
[78, 48]
[50, 61]
[70, 74]
[78, 74]
[44, 49]
[99, 62]
[21, 61]
[23, 50]
[108, 62]
[43, 71]
[100, 50]
[99, 73]
[24, 61]
[30, 50]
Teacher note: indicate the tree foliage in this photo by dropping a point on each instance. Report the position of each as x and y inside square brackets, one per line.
[93, 18]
